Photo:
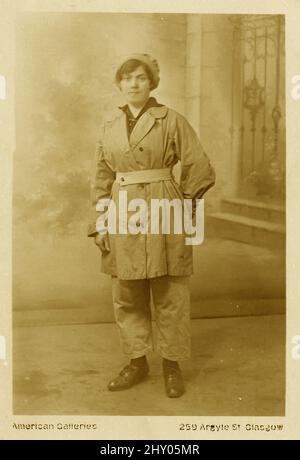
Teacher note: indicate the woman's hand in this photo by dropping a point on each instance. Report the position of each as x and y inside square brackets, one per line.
[102, 242]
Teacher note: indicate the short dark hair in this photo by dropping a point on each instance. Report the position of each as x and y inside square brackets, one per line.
[129, 66]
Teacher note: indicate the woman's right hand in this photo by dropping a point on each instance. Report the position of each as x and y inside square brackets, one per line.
[102, 242]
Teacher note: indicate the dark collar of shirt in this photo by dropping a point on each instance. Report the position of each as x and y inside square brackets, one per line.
[131, 120]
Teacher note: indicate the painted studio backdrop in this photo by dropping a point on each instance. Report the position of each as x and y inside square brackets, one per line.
[225, 74]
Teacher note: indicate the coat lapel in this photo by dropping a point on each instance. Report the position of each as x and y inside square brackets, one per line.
[118, 133]
[145, 124]
[142, 127]
[121, 133]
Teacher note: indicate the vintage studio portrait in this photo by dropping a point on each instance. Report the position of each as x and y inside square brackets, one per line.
[149, 214]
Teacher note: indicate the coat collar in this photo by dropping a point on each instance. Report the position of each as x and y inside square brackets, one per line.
[152, 102]
[145, 124]
[142, 127]
[156, 112]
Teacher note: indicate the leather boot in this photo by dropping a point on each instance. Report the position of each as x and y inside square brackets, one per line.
[130, 375]
[173, 379]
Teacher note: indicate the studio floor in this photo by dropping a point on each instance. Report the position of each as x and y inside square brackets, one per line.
[237, 368]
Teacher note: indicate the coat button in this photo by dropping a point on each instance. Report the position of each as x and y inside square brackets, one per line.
[122, 179]
[141, 149]
[141, 186]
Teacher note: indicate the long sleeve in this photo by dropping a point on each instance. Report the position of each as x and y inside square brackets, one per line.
[101, 184]
[197, 174]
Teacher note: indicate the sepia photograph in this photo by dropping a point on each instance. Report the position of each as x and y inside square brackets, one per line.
[149, 178]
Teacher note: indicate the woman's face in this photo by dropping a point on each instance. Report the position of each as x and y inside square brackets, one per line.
[135, 87]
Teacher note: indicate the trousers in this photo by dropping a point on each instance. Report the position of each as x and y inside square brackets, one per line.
[133, 315]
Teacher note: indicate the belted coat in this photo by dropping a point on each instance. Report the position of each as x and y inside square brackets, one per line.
[160, 138]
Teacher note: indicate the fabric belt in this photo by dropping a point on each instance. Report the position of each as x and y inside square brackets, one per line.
[143, 177]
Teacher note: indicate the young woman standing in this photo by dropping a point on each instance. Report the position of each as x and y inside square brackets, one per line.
[139, 145]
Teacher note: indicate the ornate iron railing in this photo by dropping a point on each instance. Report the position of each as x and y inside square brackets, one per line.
[258, 102]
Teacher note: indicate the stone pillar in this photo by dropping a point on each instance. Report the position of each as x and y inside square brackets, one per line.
[193, 70]
[214, 105]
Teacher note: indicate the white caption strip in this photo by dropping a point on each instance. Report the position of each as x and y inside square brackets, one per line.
[296, 88]
[296, 348]
[2, 348]
[2, 88]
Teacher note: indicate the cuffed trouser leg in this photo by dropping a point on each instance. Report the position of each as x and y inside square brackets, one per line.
[131, 300]
[171, 298]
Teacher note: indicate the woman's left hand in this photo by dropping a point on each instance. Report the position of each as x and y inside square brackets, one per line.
[102, 242]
